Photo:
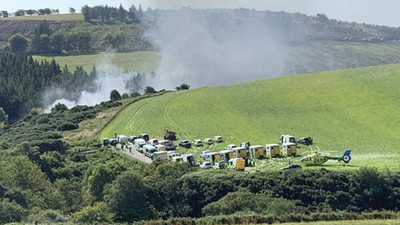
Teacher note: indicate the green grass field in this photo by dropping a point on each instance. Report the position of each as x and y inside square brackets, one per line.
[53, 17]
[143, 62]
[352, 109]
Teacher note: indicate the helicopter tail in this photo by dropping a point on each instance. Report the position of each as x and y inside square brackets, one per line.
[346, 156]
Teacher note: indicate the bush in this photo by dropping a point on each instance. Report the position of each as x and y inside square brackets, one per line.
[11, 212]
[36, 111]
[67, 126]
[47, 216]
[135, 94]
[59, 108]
[149, 90]
[183, 86]
[98, 213]
[115, 95]
[125, 96]
[43, 120]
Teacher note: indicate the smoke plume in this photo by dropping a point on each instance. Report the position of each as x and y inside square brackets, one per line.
[214, 47]
[108, 78]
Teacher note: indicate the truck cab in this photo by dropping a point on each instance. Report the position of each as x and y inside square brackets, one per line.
[287, 139]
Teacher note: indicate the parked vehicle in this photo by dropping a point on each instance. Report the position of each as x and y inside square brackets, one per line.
[305, 141]
[139, 144]
[163, 155]
[230, 146]
[226, 155]
[206, 165]
[289, 149]
[112, 141]
[205, 155]
[256, 152]
[122, 139]
[172, 154]
[132, 138]
[152, 141]
[219, 165]
[160, 148]
[272, 150]
[218, 139]
[240, 152]
[245, 145]
[170, 135]
[105, 142]
[287, 139]
[149, 150]
[237, 164]
[198, 143]
[144, 136]
[189, 158]
[214, 157]
[169, 145]
[185, 144]
[209, 141]
[177, 159]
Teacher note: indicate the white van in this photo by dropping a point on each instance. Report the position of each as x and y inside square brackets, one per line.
[139, 144]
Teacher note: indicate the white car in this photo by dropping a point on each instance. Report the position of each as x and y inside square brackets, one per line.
[198, 143]
[205, 165]
[218, 139]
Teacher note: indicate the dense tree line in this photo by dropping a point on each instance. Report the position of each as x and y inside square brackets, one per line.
[107, 14]
[23, 80]
[45, 41]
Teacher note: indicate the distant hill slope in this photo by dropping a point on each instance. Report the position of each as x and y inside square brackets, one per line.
[9, 27]
[65, 23]
[351, 109]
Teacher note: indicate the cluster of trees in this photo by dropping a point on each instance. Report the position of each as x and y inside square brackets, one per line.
[23, 81]
[106, 14]
[45, 41]
[30, 12]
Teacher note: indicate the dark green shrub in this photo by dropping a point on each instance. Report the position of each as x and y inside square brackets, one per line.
[68, 126]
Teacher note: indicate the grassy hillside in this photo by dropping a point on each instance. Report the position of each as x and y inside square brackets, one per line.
[142, 61]
[351, 109]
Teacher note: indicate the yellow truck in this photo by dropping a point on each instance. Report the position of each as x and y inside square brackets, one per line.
[257, 152]
[226, 155]
[237, 164]
[289, 149]
[272, 150]
[240, 152]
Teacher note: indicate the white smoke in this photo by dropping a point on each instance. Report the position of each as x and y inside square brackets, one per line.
[108, 78]
[204, 48]
[200, 48]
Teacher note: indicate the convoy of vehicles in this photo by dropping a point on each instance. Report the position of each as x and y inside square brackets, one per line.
[232, 157]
